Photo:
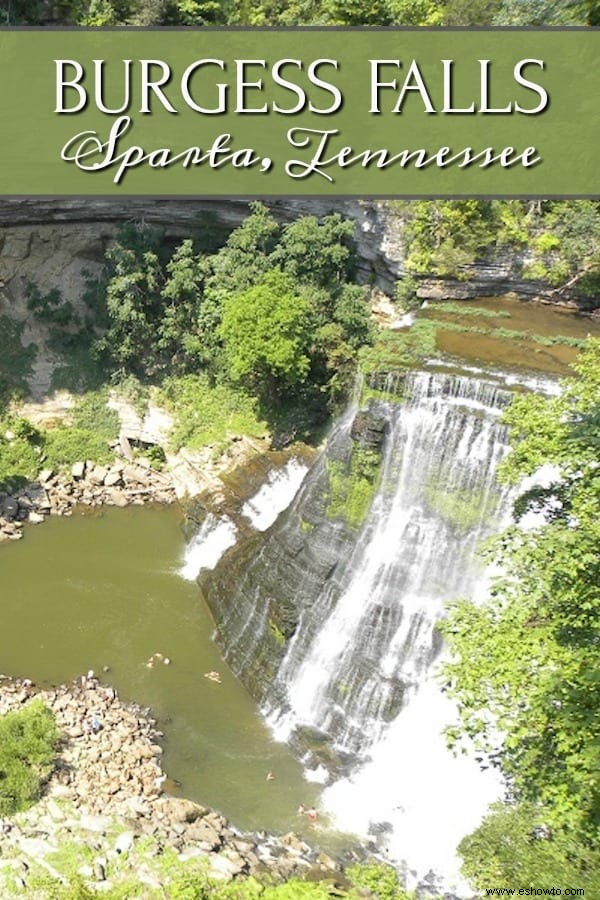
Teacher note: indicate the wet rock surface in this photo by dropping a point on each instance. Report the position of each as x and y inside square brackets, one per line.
[262, 586]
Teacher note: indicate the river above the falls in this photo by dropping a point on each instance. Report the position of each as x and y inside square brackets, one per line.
[103, 589]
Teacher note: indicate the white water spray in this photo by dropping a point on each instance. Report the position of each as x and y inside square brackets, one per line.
[275, 495]
[208, 546]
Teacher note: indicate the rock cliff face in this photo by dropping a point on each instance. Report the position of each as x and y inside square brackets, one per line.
[277, 574]
[329, 618]
[53, 241]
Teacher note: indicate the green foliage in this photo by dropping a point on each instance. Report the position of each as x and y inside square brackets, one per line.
[545, 12]
[514, 845]
[277, 633]
[272, 309]
[395, 351]
[381, 880]
[20, 452]
[525, 663]
[93, 428]
[567, 246]
[51, 307]
[444, 236]
[98, 13]
[16, 361]
[267, 332]
[463, 309]
[351, 488]
[208, 414]
[319, 253]
[133, 301]
[28, 739]
[406, 292]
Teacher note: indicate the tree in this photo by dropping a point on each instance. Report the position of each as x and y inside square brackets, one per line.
[148, 304]
[267, 333]
[318, 253]
[444, 236]
[544, 12]
[567, 247]
[514, 845]
[525, 668]
[179, 342]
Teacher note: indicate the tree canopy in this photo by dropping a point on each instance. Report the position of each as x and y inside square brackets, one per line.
[303, 12]
[267, 332]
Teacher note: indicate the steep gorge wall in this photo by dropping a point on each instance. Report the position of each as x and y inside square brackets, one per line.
[52, 241]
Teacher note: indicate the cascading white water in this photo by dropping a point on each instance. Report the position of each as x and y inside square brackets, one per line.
[275, 495]
[207, 547]
[437, 500]
[428, 797]
[218, 534]
[371, 636]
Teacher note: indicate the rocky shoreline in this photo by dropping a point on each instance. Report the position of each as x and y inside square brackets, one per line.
[87, 484]
[106, 794]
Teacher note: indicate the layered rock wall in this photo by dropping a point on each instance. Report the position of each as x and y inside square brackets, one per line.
[53, 241]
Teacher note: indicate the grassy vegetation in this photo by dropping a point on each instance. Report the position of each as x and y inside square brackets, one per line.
[28, 739]
[395, 351]
[20, 452]
[187, 880]
[509, 334]
[208, 414]
[400, 351]
[94, 426]
[351, 489]
[25, 449]
[277, 633]
[462, 309]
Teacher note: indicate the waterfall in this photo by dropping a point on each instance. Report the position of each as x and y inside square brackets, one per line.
[333, 627]
[218, 534]
[275, 495]
[349, 667]
[207, 547]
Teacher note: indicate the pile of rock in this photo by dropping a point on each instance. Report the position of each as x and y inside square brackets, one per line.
[107, 791]
[87, 484]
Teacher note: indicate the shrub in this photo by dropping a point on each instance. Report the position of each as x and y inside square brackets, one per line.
[19, 452]
[28, 739]
[207, 414]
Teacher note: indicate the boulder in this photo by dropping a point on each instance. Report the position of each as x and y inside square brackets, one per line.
[78, 470]
[368, 428]
[117, 498]
[10, 507]
[97, 824]
[124, 842]
[203, 833]
[222, 868]
[131, 475]
[176, 809]
[98, 474]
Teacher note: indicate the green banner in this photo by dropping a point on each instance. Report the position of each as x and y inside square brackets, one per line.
[251, 112]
